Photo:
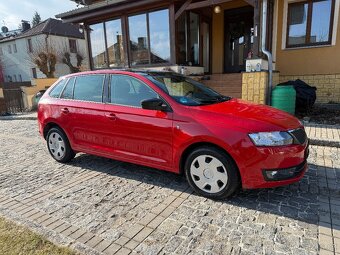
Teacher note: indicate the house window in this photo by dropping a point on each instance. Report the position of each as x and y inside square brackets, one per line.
[10, 49]
[73, 45]
[149, 38]
[20, 78]
[310, 23]
[34, 73]
[29, 45]
[15, 48]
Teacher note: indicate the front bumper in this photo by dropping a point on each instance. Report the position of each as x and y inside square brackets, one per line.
[289, 163]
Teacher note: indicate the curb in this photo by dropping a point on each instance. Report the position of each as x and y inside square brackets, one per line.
[324, 143]
[18, 118]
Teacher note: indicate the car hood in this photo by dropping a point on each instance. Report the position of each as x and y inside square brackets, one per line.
[245, 115]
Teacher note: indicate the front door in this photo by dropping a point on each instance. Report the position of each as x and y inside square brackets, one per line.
[140, 136]
[238, 38]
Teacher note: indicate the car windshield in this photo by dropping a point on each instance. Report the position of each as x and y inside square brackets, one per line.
[185, 90]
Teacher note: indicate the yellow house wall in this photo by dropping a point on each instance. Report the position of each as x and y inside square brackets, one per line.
[38, 84]
[308, 61]
[218, 35]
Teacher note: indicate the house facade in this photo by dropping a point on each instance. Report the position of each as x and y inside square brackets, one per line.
[244, 47]
[17, 52]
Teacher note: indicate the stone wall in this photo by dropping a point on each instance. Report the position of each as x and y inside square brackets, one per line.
[254, 86]
[328, 86]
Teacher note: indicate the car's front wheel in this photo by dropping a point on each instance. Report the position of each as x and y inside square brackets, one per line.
[59, 146]
[212, 173]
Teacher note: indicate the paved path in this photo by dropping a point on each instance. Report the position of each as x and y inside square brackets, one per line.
[101, 206]
[324, 135]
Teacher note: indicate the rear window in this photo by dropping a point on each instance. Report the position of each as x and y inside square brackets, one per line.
[55, 93]
[89, 88]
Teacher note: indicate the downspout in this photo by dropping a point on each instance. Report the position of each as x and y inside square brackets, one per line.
[266, 52]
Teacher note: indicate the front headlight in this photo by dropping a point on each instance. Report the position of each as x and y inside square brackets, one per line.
[271, 138]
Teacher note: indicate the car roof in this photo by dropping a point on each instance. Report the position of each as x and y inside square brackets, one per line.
[122, 71]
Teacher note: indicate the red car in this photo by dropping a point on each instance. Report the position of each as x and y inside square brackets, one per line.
[171, 122]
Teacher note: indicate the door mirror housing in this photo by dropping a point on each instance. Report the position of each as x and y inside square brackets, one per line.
[155, 104]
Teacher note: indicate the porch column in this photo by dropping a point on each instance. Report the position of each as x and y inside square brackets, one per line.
[257, 30]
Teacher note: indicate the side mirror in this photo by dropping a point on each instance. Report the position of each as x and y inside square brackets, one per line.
[155, 104]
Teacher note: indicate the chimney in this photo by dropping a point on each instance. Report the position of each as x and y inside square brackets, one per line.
[25, 25]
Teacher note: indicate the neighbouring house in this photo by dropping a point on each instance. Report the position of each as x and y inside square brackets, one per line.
[17, 51]
[276, 40]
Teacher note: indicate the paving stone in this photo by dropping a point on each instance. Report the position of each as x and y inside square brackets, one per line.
[132, 244]
[112, 249]
[122, 240]
[85, 237]
[103, 245]
[133, 231]
[94, 241]
[337, 245]
[77, 234]
[156, 222]
[326, 242]
[144, 233]
[123, 251]
[147, 219]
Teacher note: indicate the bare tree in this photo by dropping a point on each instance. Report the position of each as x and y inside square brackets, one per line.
[66, 59]
[45, 57]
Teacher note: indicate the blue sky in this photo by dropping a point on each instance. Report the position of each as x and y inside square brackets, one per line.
[13, 11]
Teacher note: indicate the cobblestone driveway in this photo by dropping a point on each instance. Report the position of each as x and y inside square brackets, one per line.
[97, 205]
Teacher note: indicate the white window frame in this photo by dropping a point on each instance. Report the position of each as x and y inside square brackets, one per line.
[285, 28]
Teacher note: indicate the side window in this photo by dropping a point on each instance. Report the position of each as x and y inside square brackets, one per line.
[68, 91]
[55, 93]
[89, 88]
[129, 91]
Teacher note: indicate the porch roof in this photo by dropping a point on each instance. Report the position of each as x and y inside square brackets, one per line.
[102, 8]
[110, 6]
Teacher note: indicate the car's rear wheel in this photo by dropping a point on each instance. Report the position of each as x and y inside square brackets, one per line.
[59, 146]
[212, 173]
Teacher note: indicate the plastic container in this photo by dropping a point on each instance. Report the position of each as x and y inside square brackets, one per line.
[284, 98]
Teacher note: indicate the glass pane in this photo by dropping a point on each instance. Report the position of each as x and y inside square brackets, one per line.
[194, 38]
[321, 19]
[129, 91]
[57, 88]
[89, 88]
[206, 46]
[98, 46]
[297, 22]
[159, 36]
[68, 91]
[114, 37]
[138, 40]
[181, 45]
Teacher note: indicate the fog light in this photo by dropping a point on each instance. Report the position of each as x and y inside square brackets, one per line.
[277, 175]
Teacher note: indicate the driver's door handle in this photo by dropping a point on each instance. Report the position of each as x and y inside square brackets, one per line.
[111, 116]
[65, 110]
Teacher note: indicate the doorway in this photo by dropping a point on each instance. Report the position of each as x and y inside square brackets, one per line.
[238, 38]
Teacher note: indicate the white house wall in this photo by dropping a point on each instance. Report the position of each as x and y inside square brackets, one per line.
[20, 63]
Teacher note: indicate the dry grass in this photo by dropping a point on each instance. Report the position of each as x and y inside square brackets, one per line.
[18, 240]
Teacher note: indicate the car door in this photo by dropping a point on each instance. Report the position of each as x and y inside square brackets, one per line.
[140, 135]
[83, 112]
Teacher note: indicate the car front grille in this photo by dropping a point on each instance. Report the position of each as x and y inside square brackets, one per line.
[299, 135]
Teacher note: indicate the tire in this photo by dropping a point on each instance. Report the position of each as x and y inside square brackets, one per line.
[59, 146]
[212, 173]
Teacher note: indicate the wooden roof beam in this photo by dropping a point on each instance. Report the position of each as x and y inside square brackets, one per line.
[182, 9]
[208, 3]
